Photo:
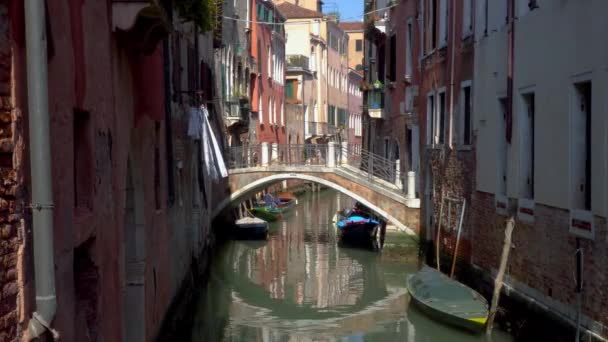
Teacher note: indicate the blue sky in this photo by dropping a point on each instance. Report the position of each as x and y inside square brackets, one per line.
[348, 8]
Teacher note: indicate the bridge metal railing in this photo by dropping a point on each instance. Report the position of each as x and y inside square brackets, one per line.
[373, 166]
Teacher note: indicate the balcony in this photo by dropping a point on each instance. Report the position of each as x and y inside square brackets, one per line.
[237, 111]
[331, 130]
[375, 103]
[297, 62]
[314, 128]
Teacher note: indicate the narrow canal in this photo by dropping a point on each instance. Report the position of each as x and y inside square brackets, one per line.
[300, 285]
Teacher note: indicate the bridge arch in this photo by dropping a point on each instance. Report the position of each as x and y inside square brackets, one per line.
[275, 178]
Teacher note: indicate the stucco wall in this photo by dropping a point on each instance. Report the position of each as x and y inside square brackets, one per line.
[566, 30]
[354, 57]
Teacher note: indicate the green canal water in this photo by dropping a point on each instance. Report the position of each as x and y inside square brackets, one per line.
[300, 285]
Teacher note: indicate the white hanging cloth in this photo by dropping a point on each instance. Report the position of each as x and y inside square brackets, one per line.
[195, 123]
[215, 152]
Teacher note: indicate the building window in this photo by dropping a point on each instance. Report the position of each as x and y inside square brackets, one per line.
[443, 23]
[83, 163]
[408, 52]
[466, 119]
[260, 110]
[268, 61]
[291, 91]
[440, 121]
[580, 146]
[431, 28]
[467, 18]
[157, 197]
[392, 73]
[430, 119]
[525, 6]
[486, 12]
[481, 18]
[501, 135]
[359, 45]
[270, 112]
[527, 145]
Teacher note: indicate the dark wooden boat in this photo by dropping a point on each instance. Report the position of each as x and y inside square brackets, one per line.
[361, 226]
[448, 300]
[357, 229]
[251, 228]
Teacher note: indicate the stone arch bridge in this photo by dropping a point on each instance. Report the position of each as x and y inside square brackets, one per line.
[370, 179]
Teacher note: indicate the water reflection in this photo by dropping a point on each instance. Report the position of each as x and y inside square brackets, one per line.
[300, 286]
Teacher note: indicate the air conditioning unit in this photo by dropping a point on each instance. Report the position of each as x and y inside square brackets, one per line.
[407, 78]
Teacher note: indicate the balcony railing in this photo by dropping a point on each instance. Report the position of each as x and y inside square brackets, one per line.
[238, 109]
[316, 128]
[297, 61]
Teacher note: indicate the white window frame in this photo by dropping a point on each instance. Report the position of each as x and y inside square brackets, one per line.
[521, 115]
[269, 110]
[461, 107]
[467, 18]
[409, 33]
[269, 60]
[437, 128]
[430, 117]
[261, 109]
[578, 214]
[442, 36]
[501, 200]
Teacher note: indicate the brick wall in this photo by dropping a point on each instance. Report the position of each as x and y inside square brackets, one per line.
[453, 173]
[10, 189]
[542, 259]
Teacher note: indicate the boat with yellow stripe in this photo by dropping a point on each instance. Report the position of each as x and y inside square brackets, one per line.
[448, 300]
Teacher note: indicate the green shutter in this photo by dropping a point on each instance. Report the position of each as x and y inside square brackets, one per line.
[289, 90]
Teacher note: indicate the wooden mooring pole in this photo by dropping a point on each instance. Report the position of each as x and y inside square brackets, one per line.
[498, 282]
[438, 235]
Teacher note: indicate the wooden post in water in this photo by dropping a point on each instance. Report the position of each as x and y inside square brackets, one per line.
[438, 235]
[462, 209]
[498, 282]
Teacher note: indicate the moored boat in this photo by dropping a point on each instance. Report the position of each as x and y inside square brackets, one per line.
[286, 203]
[361, 226]
[251, 228]
[267, 213]
[357, 229]
[448, 300]
[283, 203]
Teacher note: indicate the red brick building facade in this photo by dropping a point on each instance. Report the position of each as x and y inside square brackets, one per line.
[125, 173]
[268, 50]
[445, 112]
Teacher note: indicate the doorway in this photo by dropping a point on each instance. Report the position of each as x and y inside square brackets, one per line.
[134, 259]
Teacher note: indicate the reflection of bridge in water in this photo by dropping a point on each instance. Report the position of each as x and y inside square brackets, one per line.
[370, 179]
[300, 286]
[301, 283]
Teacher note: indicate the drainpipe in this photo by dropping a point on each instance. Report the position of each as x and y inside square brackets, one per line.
[453, 53]
[40, 159]
[510, 67]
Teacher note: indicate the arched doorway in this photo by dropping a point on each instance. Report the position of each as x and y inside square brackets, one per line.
[134, 258]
